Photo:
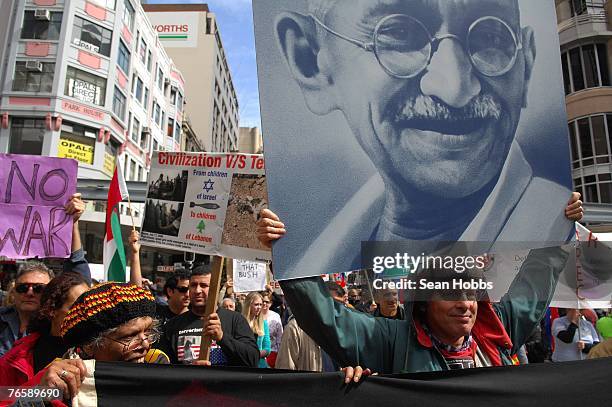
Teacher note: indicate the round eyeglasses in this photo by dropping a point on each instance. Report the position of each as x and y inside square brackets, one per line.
[404, 47]
[130, 344]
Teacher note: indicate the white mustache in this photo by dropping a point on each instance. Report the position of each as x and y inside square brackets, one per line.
[424, 107]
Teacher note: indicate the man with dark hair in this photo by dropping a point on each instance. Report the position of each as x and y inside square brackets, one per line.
[233, 342]
[176, 290]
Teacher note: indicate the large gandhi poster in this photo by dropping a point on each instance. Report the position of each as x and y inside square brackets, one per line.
[410, 120]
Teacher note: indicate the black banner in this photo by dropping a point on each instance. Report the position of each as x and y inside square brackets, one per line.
[575, 384]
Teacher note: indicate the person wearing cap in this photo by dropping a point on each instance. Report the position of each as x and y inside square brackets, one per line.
[233, 341]
[110, 322]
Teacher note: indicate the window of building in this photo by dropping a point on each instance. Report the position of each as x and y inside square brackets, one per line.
[585, 67]
[138, 88]
[123, 58]
[33, 76]
[41, 28]
[109, 4]
[135, 130]
[77, 142]
[155, 145]
[132, 170]
[179, 101]
[585, 141]
[139, 174]
[142, 51]
[177, 132]
[85, 87]
[173, 95]
[170, 131]
[590, 141]
[600, 141]
[27, 136]
[157, 114]
[160, 79]
[128, 14]
[119, 104]
[578, 7]
[149, 61]
[91, 36]
[144, 138]
[145, 101]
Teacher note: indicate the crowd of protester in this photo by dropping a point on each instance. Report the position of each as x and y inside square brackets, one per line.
[49, 323]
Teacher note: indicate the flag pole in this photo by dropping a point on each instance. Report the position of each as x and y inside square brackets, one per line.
[211, 304]
[131, 215]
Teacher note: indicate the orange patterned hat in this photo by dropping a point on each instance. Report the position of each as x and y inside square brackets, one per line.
[105, 307]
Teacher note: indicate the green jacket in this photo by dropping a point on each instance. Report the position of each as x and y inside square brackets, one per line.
[389, 346]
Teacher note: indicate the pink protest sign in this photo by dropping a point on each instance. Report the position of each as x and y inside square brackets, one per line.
[33, 193]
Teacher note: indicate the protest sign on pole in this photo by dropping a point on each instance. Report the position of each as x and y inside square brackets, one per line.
[249, 276]
[206, 203]
[34, 191]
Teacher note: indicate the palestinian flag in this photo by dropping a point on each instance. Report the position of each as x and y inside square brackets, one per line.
[114, 254]
[146, 385]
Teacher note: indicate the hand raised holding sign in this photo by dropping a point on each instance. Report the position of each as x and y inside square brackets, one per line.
[134, 242]
[269, 227]
[75, 207]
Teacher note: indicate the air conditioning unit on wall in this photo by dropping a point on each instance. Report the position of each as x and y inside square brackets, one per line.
[42, 14]
[34, 66]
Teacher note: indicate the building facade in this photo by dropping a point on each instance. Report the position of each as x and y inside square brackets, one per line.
[88, 80]
[190, 35]
[251, 140]
[585, 34]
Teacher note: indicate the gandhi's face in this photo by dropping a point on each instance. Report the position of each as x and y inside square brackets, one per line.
[447, 130]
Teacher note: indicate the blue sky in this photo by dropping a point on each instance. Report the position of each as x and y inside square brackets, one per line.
[235, 20]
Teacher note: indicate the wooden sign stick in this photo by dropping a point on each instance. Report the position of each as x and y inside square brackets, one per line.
[211, 304]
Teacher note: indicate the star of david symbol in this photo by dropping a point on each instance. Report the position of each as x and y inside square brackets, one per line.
[208, 185]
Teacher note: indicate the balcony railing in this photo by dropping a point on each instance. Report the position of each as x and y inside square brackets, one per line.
[583, 19]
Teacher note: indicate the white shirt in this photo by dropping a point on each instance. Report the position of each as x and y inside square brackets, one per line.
[569, 351]
[276, 329]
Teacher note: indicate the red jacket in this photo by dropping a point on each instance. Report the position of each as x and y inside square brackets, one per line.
[17, 366]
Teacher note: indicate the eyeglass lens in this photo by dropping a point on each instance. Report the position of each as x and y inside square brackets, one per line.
[404, 46]
[136, 341]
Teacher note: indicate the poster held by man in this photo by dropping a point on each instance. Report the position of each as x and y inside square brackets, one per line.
[412, 121]
[206, 203]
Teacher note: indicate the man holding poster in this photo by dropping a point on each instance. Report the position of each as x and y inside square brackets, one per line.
[437, 94]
